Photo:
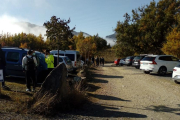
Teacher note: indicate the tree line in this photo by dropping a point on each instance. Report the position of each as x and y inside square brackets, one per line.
[86, 45]
[153, 28]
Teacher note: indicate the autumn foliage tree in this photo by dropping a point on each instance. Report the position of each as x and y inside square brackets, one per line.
[172, 45]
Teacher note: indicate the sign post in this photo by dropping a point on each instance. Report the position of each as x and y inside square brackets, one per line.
[1, 78]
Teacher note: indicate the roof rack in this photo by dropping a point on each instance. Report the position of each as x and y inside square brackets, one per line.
[145, 54]
[12, 47]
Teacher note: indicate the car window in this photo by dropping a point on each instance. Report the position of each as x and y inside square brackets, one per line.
[78, 56]
[71, 56]
[164, 58]
[60, 60]
[67, 60]
[174, 58]
[13, 56]
[137, 58]
[148, 58]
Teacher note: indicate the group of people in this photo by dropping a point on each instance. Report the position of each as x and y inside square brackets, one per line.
[29, 67]
[97, 61]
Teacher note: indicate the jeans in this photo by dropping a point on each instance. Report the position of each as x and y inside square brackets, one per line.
[30, 75]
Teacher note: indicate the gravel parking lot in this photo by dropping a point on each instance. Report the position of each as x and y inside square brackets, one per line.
[127, 93]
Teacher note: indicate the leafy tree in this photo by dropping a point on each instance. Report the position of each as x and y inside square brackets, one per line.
[59, 31]
[172, 46]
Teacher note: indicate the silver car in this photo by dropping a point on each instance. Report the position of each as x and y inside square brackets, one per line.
[65, 60]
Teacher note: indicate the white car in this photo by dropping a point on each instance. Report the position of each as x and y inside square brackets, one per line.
[65, 60]
[160, 64]
[73, 55]
[122, 61]
[176, 74]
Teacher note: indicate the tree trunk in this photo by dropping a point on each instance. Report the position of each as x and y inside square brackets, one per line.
[58, 57]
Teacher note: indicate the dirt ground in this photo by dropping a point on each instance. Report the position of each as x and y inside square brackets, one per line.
[125, 93]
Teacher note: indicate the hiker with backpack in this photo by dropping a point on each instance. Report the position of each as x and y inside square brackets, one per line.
[29, 65]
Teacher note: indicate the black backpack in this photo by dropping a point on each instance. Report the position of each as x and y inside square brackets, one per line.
[30, 63]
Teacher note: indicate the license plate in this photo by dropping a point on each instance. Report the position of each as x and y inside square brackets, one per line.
[144, 63]
[135, 62]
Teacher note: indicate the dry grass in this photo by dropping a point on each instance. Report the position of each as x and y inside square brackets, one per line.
[19, 101]
[15, 99]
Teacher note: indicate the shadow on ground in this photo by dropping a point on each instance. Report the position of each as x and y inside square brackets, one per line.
[106, 97]
[167, 75]
[162, 108]
[92, 88]
[4, 97]
[96, 110]
[106, 76]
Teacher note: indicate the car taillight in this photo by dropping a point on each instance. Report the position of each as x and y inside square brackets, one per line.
[174, 70]
[153, 62]
[75, 63]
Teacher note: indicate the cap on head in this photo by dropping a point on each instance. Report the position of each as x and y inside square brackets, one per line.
[30, 52]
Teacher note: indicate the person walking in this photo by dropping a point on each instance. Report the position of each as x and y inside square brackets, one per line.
[49, 59]
[29, 65]
[3, 66]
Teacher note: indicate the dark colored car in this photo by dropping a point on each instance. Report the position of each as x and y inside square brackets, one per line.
[136, 61]
[128, 60]
[116, 62]
[14, 56]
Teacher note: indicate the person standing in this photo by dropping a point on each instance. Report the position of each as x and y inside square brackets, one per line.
[29, 65]
[102, 59]
[49, 59]
[97, 61]
[3, 66]
[92, 60]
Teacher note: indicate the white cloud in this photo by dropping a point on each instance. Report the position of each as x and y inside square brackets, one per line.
[14, 25]
[110, 41]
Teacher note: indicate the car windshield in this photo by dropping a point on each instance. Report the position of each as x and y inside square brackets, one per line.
[67, 60]
[138, 57]
[148, 58]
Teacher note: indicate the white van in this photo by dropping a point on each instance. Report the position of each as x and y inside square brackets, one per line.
[73, 55]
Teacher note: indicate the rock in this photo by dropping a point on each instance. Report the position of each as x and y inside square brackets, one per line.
[53, 89]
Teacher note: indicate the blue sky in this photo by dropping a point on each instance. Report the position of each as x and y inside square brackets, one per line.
[90, 16]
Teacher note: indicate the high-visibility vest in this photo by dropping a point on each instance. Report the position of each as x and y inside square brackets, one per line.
[50, 61]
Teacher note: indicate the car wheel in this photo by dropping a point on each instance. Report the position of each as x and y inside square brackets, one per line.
[162, 71]
[137, 67]
[146, 72]
[176, 82]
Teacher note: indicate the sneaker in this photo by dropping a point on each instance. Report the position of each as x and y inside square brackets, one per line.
[28, 90]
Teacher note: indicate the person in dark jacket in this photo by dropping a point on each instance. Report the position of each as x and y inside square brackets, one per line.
[92, 60]
[97, 61]
[102, 60]
[3, 66]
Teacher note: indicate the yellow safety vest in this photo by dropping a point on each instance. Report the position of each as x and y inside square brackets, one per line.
[50, 61]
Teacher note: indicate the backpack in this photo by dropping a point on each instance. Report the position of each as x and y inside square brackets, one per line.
[30, 63]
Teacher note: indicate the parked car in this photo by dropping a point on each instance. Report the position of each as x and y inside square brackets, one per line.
[176, 74]
[160, 64]
[73, 55]
[121, 62]
[136, 61]
[65, 60]
[116, 62]
[128, 60]
[14, 56]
